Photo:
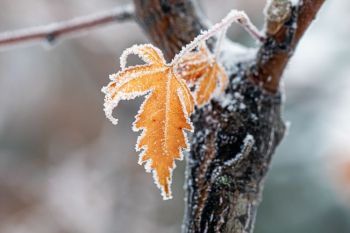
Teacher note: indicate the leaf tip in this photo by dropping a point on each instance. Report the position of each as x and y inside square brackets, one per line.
[165, 189]
[109, 105]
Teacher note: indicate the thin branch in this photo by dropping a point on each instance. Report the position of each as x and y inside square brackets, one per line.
[236, 16]
[52, 32]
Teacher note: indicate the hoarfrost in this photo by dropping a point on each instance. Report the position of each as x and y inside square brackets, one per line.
[242, 106]
[248, 143]
[225, 100]
[231, 101]
[233, 54]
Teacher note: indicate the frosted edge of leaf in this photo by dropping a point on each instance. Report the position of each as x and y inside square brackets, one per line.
[148, 163]
[142, 129]
[166, 196]
[188, 121]
[108, 109]
[148, 168]
[110, 104]
[131, 50]
[135, 49]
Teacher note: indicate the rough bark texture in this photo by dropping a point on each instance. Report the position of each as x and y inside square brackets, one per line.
[230, 156]
[233, 142]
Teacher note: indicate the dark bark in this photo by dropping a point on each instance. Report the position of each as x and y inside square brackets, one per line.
[169, 24]
[230, 156]
[233, 142]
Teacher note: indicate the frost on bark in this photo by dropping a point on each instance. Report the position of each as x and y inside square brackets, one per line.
[236, 135]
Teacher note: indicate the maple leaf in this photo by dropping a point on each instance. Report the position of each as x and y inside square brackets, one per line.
[193, 65]
[208, 83]
[163, 116]
[200, 68]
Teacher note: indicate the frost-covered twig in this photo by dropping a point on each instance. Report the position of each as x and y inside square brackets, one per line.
[50, 33]
[236, 16]
[251, 28]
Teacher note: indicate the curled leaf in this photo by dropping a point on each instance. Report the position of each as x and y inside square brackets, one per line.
[200, 68]
[193, 65]
[214, 79]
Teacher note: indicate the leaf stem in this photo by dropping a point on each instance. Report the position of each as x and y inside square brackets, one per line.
[239, 17]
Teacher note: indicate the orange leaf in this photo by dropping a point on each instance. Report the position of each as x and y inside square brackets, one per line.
[200, 68]
[208, 83]
[194, 64]
[163, 116]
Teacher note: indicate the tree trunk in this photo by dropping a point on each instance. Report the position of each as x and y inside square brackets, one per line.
[235, 137]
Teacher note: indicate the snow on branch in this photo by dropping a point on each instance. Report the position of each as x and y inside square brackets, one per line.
[52, 32]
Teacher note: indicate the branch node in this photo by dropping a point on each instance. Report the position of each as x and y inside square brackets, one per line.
[277, 13]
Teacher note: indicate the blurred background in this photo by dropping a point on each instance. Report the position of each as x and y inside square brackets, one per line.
[65, 168]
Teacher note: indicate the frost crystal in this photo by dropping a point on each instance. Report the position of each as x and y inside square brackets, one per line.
[248, 143]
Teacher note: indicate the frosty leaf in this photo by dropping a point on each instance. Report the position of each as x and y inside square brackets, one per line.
[193, 65]
[208, 84]
[163, 116]
[200, 68]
